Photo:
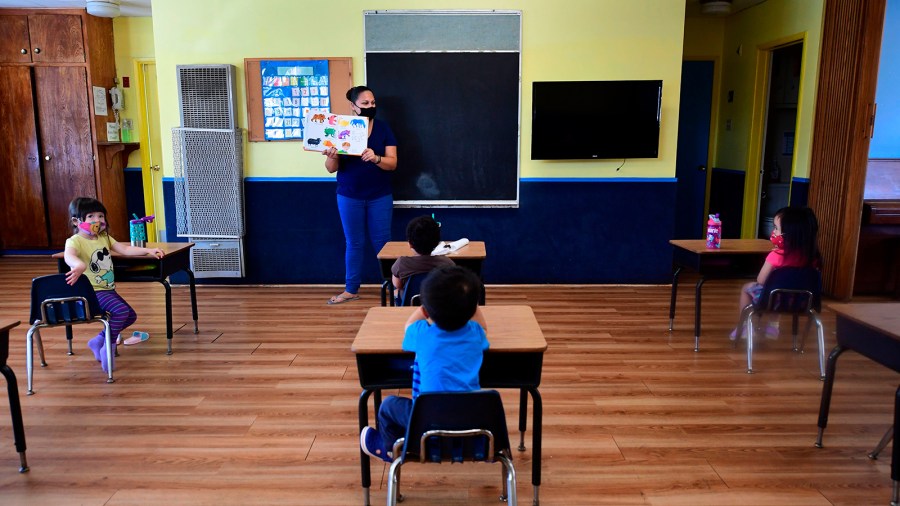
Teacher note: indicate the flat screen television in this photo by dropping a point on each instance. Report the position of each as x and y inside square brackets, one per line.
[595, 119]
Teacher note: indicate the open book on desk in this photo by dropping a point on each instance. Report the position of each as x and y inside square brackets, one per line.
[445, 247]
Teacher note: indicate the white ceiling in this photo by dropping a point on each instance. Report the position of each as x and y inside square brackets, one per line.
[133, 8]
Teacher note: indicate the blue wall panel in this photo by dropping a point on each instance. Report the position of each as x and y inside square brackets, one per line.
[726, 197]
[134, 192]
[575, 231]
[799, 191]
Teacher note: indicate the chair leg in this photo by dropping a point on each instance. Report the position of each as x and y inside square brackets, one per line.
[29, 360]
[69, 340]
[393, 482]
[821, 333]
[742, 322]
[750, 341]
[509, 485]
[795, 344]
[110, 352]
[881, 444]
[40, 346]
[802, 345]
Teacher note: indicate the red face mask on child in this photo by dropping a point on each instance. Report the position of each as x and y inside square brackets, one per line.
[777, 240]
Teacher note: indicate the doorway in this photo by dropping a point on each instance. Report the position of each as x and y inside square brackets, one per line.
[691, 162]
[777, 157]
[151, 147]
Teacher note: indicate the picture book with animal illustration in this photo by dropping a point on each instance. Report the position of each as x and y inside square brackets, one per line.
[349, 134]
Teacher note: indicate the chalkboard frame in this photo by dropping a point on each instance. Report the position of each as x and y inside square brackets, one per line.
[406, 66]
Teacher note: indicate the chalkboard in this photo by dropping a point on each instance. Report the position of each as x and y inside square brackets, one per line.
[456, 119]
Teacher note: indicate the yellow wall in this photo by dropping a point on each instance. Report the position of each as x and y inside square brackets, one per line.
[133, 39]
[755, 30]
[703, 37]
[561, 40]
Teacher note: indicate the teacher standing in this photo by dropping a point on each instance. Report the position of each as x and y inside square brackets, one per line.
[364, 195]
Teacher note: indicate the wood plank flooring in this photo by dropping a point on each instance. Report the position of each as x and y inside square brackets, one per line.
[260, 407]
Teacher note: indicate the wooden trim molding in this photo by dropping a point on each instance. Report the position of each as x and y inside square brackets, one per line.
[848, 73]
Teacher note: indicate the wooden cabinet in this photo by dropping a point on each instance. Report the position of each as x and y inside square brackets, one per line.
[53, 140]
[23, 220]
[47, 38]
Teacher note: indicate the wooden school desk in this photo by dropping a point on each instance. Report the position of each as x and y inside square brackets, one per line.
[148, 268]
[471, 256]
[737, 258]
[12, 389]
[514, 360]
[873, 331]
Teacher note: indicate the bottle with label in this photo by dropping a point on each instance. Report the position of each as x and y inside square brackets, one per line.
[714, 232]
[127, 126]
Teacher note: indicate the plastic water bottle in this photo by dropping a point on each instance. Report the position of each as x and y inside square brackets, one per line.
[714, 232]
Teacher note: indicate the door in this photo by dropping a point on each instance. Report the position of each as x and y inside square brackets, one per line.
[693, 148]
[151, 148]
[778, 144]
[64, 126]
[23, 221]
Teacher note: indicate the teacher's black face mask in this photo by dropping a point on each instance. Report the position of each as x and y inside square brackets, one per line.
[367, 112]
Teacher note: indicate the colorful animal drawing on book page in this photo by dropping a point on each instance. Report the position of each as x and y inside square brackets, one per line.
[323, 131]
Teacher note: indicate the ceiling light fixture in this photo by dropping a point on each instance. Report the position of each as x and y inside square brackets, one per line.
[715, 7]
[103, 8]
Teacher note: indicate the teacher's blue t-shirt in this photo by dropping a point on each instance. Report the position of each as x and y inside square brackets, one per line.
[361, 180]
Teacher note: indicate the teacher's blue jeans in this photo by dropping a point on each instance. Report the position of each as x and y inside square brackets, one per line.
[357, 216]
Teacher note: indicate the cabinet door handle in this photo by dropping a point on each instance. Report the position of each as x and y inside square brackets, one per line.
[47, 157]
[23, 51]
[154, 167]
[37, 50]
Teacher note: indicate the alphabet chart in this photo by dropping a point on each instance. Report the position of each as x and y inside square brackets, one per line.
[349, 134]
[292, 90]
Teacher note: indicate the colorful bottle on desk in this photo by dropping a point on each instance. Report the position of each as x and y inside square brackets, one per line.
[713, 232]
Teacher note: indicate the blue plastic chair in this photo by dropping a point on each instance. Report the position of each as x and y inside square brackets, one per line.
[54, 303]
[795, 291]
[409, 294]
[458, 427]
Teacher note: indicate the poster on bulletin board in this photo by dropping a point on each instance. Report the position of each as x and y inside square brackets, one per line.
[291, 91]
[348, 134]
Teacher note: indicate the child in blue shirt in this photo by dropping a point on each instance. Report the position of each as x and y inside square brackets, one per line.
[448, 352]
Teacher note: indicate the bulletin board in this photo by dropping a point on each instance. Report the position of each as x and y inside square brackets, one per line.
[340, 79]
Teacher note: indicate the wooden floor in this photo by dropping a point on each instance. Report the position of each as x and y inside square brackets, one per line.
[260, 407]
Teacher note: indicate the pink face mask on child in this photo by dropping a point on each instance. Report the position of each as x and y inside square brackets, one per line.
[93, 228]
[777, 240]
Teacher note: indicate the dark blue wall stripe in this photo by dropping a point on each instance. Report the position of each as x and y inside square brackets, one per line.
[611, 232]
